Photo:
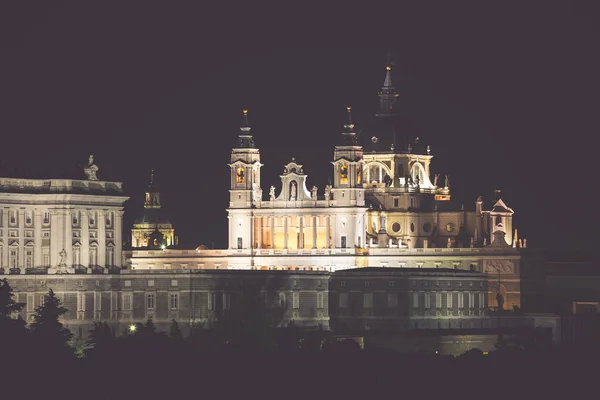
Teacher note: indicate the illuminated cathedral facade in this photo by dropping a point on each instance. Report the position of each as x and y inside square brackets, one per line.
[384, 208]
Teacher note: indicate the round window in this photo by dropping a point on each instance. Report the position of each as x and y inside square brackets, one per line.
[396, 227]
[412, 227]
[450, 226]
[427, 227]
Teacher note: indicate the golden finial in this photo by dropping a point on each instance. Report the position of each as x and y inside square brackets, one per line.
[389, 68]
[245, 112]
[348, 108]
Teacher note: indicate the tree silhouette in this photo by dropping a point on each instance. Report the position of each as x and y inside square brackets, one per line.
[174, 331]
[12, 329]
[46, 328]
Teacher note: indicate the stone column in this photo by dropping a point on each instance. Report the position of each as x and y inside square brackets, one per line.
[37, 237]
[334, 234]
[118, 223]
[5, 212]
[314, 233]
[301, 233]
[272, 232]
[259, 233]
[327, 231]
[101, 223]
[285, 232]
[230, 234]
[68, 218]
[85, 239]
[55, 238]
[21, 221]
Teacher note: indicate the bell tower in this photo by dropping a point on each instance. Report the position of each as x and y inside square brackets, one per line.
[244, 188]
[244, 168]
[347, 168]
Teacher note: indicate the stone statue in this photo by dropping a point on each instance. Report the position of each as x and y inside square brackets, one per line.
[435, 179]
[314, 193]
[91, 169]
[521, 243]
[484, 242]
[272, 193]
[327, 192]
[472, 242]
[447, 184]
[259, 194]
[63, 258]
[417, 180]
[524, 243]
[428, 149]
[293, 191]
[449, 243]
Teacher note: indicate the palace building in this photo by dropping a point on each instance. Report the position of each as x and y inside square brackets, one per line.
[383, 241]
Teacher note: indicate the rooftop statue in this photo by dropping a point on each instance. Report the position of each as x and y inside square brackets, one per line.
[91, 169]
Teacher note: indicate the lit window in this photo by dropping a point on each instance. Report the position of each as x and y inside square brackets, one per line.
[320, 300]
[344, 174]
[80, 301]
[427, 300]
[174, 301]
[296, 300]
[240, 175]
[127, 302]
[150, 301]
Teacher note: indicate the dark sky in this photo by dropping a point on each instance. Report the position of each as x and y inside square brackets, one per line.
[506, 94]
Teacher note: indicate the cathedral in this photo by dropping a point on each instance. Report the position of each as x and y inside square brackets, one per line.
[384, 208]
[386, 227]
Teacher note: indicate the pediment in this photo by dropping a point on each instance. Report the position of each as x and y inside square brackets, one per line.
[501, 207]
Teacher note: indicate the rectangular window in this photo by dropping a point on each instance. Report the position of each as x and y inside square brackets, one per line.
[343, 242]
[392, 299]
[46, 217]
[296, 300]
[80, 301]
[114, 305]
[30, 301]
[281, 299]
[75, 218]
[427, 300]
[240, 243]
[438, 300]
[320, 300]
[174, 301]
[97, 301]
[127, 283]
[210, 303]
[343, 300]
[127, 301]
[482, 299]
[368, 300]
[461, 300]
[471, 300]
[149, 301]
[226, 301]
[173, 282]
[415, 299]
[396, 202]
[449, 300]
[29, 258]
[151, 283]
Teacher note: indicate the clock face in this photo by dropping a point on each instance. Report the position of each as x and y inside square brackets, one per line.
[450, 226]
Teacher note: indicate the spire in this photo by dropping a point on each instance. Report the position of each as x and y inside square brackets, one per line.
[152, 194]
[349, 135]
[388, 95]
[245, 139]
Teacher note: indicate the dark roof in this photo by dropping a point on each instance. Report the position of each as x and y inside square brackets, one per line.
[152, 216]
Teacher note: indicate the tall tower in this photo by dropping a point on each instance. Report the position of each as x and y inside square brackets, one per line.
[152, 194]
[382, 138]
[244, 187]
[347, 168]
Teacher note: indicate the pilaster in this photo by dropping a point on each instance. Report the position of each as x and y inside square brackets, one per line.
[119, 238]
[21, 220]
[37, 237]
[101, 223]
[68, 246]
[85, 239]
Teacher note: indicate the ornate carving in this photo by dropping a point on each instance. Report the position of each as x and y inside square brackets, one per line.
[435, 179]
[293, 191]
[498, 266]
[328, 192]
[314, 193]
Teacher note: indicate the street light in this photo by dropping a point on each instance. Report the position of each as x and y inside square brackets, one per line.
[132, 328]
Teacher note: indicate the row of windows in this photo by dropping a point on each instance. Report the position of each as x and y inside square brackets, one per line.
[392, 300]
[415, 283]
[76, 218]
[14, 262]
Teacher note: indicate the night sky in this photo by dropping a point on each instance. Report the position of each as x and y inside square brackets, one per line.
[506, 94]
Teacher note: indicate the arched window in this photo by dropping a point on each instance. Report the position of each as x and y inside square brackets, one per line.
[240, 175]
[498, 220]
[344, 175]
